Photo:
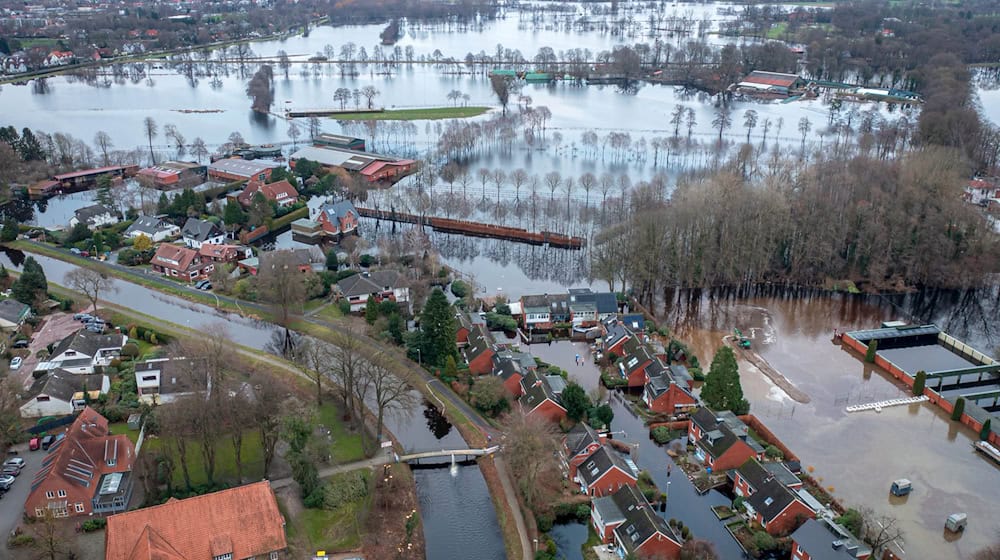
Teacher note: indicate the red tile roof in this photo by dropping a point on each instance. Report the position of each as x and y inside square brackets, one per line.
[271, 191]
[219, 252]
[771, 79]
[244, 521]
[174, 257]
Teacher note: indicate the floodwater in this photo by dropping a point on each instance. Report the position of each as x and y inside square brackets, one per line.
[563, 353]
[569, 537]
[859, 454]
[458, 516]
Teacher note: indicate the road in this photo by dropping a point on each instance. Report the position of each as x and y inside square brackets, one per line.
[434, 386]
[12, 503]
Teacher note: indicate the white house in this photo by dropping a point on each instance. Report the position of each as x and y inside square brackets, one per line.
[94, 216]
[82, 351]
[164, 380]
[196, 232]
[153, 227]
[60, 392]
[379, 284]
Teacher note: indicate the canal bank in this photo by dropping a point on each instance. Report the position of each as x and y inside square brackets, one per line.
[439, 508]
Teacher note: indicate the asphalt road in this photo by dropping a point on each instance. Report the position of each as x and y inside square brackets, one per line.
[12, 503]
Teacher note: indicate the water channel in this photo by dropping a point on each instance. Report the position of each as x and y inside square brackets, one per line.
[457, 513]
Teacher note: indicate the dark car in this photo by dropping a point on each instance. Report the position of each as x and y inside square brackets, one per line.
[47, 441]
[23, 343]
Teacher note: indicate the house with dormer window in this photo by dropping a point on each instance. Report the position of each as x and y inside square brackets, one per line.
[87, 471]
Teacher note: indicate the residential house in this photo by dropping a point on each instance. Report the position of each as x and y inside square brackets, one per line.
[465, 323]
[721, 440]
[238, 523]
[165, 380]
[180, 262]
[777, 509]
[12, 315]
[378, 284]
[479, 350]
[196, 232]
[305, 259]
[95, 216]
[59, 392]
[636, 357]
[642, 533]
[83, 351]
[538, 399]
[545, 311]
[336, 219]
[615, 337]
[580, 443]
[752, 474]
[668, 389]
[822, 539]
[281, 193]
[211, 252]
[86, 472]
[369, 166]
[588, 307]
[605, 471]
[511, 367]
[769, 82]
[171, 175]
[980, 190]
[154, 227]
[235, 169]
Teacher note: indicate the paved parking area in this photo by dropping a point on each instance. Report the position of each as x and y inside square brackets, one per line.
[56, 327]
[12, 502]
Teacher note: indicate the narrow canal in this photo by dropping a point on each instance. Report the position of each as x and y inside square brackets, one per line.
[456, 509]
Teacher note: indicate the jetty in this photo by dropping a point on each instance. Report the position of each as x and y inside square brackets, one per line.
[477, 229]
[878, 406]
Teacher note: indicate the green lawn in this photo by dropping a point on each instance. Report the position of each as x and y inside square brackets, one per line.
[777, 31]
[38, 42]
[336, 530]
[330, 313]
[225, 462]
[346, 446]
[122, 428]
[415, 114]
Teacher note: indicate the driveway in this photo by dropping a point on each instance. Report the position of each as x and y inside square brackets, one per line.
[56, 327]
[12, 503]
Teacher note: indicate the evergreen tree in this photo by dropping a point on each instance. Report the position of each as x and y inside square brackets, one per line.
[575, 401]
[9, 232]
[722, 390]
[984, 434]
[371, 311]
[332, 262]
[30, 149]
[79, 232]
[30, 288]
[870, 353]
[956, 414]
[104, 196]
[437, 321]
[163, 205]
[233, 215]
[450, 368]
[919, 382]
[395, 328]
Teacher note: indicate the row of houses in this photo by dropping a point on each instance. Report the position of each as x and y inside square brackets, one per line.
[578, 307]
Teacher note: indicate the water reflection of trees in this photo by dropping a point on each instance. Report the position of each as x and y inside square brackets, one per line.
[436, 422]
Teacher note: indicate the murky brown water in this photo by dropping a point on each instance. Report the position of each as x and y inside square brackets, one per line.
[858, 454]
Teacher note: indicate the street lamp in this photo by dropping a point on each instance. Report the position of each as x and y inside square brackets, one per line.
[420, 360]
[667, 493]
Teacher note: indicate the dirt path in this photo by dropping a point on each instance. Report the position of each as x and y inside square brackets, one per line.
[774, 375]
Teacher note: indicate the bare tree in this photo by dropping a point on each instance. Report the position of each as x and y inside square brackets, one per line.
[50, 538]
[749, 121]
[370, 93]
[198, 148]
[722, 120]
[387, 390]
[90, 282]
[804, 127]
[176, 421]
[501, 88]
[281, 284]
[264, 413]
[283, 62]
[879, 529]
[698, 549]
[529, 444]
[236, 416]
[150, 129]
[313, 358]
[103, 142]
[553, 179]
[294, 132]
[347, 371]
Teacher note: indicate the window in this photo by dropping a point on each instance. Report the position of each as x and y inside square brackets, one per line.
[79, 508]
[50, 495]
[274, 555]
[39, 512]
[768, 501]
[42, 398]
[62, 493]
[226, 556]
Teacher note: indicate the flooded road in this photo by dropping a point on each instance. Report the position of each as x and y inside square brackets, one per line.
[857, 455]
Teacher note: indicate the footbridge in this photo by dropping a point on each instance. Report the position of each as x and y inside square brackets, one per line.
[449, 453]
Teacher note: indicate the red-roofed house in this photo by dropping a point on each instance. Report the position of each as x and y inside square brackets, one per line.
[234, 524]
[180, 262]
[980, 190]
[224, 253]
[86, 471]
[387, 170]
[282, 193]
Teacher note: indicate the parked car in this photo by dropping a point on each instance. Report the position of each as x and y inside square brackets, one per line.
[34, 444]
[6, 482]
[75, 251]
[207, 286]
[10, 471]
[23, 343]
[95, 328]
[14, 461]
[16, 362]
[200, 284]
[83, 317]
[47, 441]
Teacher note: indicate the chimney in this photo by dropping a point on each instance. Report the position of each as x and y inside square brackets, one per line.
[837, 544]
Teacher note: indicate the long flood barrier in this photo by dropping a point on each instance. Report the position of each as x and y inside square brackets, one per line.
[477, 229]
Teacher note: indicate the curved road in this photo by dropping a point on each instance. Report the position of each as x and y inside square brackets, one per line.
[433, 384]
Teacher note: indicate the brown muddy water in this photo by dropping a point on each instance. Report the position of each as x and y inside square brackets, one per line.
[858, 454]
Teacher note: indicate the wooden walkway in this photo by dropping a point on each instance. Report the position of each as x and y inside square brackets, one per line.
[477, 229]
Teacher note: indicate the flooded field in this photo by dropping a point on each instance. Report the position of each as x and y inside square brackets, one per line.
[857, 455]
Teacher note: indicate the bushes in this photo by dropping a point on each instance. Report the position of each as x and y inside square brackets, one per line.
[774, 453]
[763, 541]
[340, 490]
[459, 289]
[919, 382]
[20, 540]
[568, 511]
[91, 525]
[496, 321]
[130, 350]
[663, 434]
